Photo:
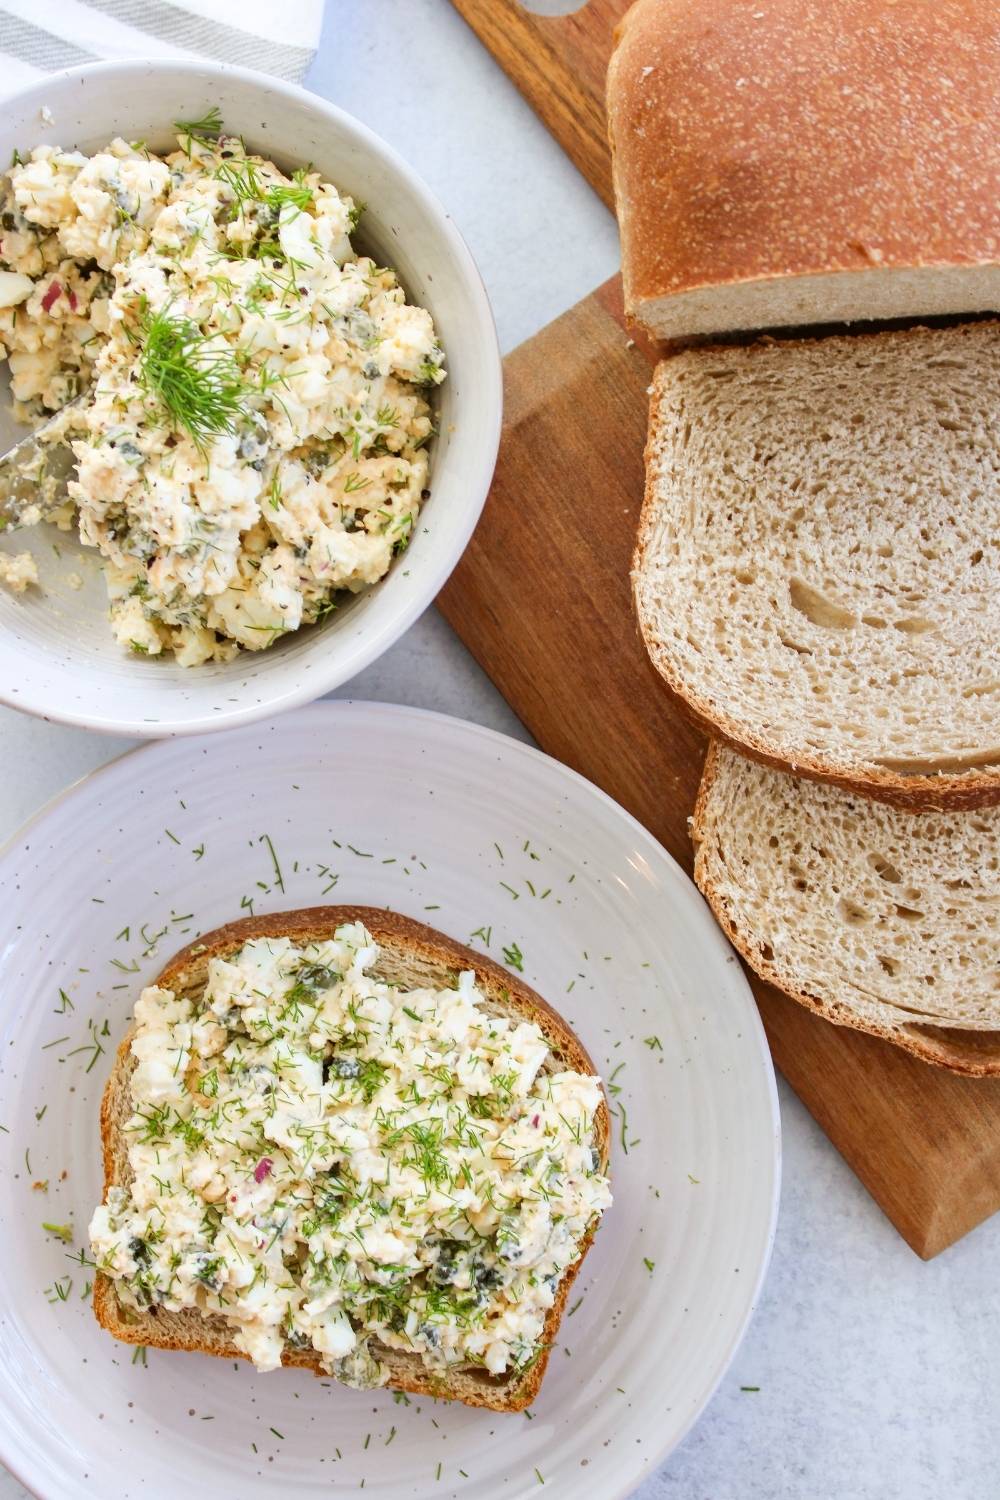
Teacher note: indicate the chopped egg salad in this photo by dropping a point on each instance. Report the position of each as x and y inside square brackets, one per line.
[251, 436]
[331, 1161]
[18, 571]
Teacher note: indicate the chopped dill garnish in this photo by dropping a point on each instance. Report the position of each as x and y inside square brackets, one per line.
[241, 178]
[203, 130]
[279, 881]
[62, 1232]
[244, 181]
[93, 1046]
[514, 957]
[295, 193]
[209, 124]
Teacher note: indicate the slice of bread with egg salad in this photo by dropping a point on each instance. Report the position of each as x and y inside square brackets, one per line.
[336, 1139]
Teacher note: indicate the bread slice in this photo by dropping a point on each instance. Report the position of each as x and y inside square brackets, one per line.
[876, 918]
[818, 567]
[805, 161]
[411, 955]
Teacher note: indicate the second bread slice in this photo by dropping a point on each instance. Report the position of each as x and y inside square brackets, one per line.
[877, 918]
[818, 568]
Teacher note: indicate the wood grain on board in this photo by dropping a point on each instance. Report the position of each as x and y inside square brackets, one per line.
[542, 599]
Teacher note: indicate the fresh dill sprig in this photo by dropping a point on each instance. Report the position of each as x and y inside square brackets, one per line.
[241, 178]
[322, 611]
[197, 383]
[203, 130]
[209, 124]
[295, 193]
[244, 181]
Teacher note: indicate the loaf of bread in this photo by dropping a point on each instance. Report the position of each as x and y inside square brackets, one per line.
[411, 956]
[818, 564]
[876, 918]
[793, 162]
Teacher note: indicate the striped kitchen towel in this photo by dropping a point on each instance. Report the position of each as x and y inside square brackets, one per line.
[277, 36]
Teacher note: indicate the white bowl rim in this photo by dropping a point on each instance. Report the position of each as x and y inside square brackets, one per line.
[439, 568]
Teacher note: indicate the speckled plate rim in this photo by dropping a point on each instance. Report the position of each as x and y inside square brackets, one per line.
[491, 740]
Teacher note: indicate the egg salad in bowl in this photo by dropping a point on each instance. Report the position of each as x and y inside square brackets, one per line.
[248, 400]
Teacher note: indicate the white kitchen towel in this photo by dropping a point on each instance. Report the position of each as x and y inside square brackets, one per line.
[276, 36]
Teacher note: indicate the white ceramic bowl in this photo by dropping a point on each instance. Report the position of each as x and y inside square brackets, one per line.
[57, 655]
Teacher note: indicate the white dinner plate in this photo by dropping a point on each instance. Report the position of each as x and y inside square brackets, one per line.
[496, 845]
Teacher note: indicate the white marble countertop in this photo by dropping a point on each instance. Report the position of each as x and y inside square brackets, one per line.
[878, 1374]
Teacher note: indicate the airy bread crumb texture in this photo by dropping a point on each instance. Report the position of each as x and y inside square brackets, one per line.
[412, 955]
[819, 554]
[877, 918]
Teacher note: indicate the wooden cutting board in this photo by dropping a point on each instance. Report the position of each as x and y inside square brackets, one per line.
[542, 600]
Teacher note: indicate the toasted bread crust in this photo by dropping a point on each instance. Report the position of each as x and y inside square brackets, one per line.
[974, 1054]
[394, 933]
